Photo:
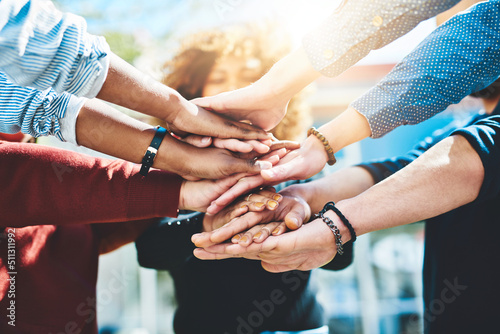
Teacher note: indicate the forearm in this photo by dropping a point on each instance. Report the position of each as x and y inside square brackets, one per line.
[104, 129]
[457, 59]
[116, 235]
[289, 75]
[359, 26]
[143, 93]
[447, 176]
[43, 185]
[343, 184]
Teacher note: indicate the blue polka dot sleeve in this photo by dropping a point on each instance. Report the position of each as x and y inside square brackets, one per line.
[359, 26]
[460, 57]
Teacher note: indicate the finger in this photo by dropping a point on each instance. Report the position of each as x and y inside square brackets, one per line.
[280, 153]
[202, 254]
[260, 147]
[258, 202]
[229, 230]
[296, 216]
[222, 219]
[270, 192]
[198, 141]
[248, 166]
[236, 238]
[209, 103]
[247, 237]
[272, 159]
[287, 171]
[279, 229]
[264, 232]
[275, 268]
[244, 185]
[234, 145]
[286, 144]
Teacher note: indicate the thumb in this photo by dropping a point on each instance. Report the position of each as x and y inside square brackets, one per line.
[209, 103]
[295, 218]
[198, 141]
[284, 172]
[250, 166]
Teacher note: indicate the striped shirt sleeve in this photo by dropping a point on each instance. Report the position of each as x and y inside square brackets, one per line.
[38, 113]
[44, 48]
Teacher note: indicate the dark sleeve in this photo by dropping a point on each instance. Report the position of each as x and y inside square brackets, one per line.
[167, 244]
[382, 169]
[343, 261]
[484, 137]
[42, 185]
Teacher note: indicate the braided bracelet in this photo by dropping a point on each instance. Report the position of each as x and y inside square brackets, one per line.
[328, 148]
[331, 206]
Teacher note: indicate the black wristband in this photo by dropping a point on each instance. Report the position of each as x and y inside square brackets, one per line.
[331, 206]
[150, 155]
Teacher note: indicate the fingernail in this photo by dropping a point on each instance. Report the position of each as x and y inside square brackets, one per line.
[257, 236]
[277, 197]
[276, 230]
[205, 140]
[272, 204]
[259, 205]
[244, 239]
[243, 206]
[236, 238]
[263, 165]
[295, 221]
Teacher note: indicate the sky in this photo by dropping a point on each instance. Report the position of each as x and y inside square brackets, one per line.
[159, 18]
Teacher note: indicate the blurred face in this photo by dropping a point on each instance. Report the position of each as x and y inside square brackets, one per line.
[231, 73]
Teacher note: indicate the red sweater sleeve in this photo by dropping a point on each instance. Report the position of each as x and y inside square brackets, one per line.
[41, 185]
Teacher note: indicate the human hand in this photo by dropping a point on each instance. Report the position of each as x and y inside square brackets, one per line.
[293, 211]
[146, 95]
[264, 103]
[253, 202]
[299, 164]
[255, 103]
[242, 146]
[311, 246]
[192, 119]
[210, 163]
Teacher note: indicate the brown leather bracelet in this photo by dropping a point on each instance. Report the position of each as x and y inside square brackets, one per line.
[328, 148]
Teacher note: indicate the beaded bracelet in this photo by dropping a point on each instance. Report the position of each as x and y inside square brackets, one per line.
[328, 148]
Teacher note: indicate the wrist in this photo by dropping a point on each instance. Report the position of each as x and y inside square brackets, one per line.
[313, 145]
[293, 73]
[344, 231]
[183, 194]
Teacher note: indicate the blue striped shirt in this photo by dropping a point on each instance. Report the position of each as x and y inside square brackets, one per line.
[36, 112]
[51, 52]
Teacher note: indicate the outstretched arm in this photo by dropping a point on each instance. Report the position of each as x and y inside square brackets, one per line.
[458, 58]
[347, 36]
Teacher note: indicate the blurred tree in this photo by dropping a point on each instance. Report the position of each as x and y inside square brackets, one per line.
[124, 45]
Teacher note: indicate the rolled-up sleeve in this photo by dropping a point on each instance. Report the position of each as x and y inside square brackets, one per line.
[359, 26]
[44, 48]
[484, 137]
[38, 113]
[460, 57]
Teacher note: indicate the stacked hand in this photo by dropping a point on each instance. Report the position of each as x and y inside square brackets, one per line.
[260, 235]
[299, 164]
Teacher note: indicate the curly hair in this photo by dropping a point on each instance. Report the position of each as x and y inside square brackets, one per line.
[188, 70]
